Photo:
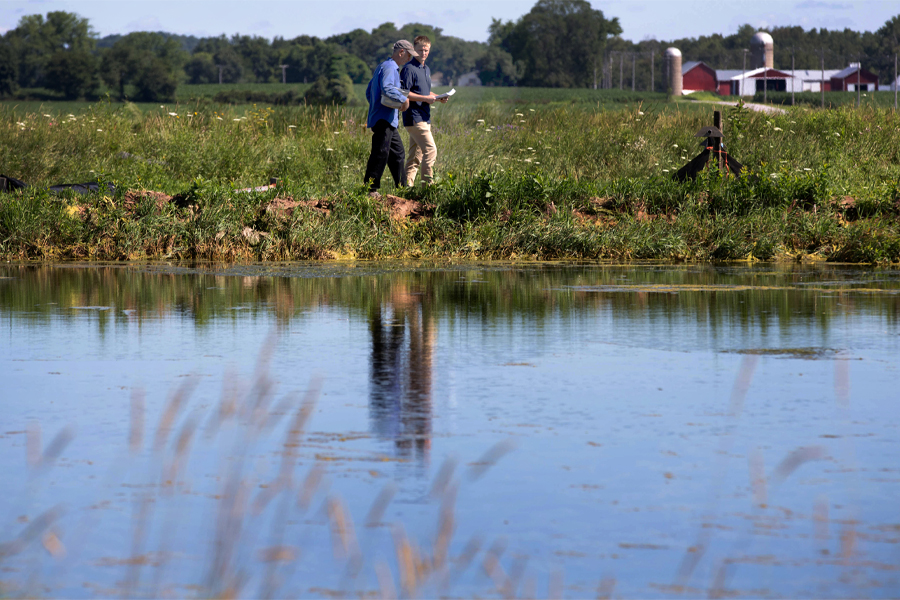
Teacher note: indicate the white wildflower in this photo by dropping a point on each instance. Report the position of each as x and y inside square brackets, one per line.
[172, 114]
[337, 132]
[674, 145]
[519, 115]
[778, 129]
[99, 130]
[292, 127]
[329, 149]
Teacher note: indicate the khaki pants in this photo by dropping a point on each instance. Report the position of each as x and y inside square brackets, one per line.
[421, 146]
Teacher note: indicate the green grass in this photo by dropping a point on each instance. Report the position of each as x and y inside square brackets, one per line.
[521, 173]
[882, 99]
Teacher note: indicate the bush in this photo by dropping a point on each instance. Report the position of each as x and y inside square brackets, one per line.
[338, 90]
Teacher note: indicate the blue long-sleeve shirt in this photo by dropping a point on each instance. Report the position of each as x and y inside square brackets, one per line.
[385, 80]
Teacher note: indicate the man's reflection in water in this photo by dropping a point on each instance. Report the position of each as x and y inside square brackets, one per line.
[400, 394]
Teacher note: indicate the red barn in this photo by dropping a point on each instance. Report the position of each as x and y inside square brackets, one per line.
[697, 77]
[847, 79]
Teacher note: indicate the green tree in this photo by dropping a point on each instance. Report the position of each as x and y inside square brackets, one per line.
[36, 39]
[9, 70]
[559, 42]
[72, 73]
[224, 56]
[201, 68]
[150, 63]
[257, 57]
[308, 58]
[342, 63]
[496, 67]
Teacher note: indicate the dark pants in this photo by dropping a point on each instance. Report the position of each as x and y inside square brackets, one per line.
[387, 149]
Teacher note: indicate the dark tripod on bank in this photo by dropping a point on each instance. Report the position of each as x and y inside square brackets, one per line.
[713, 153]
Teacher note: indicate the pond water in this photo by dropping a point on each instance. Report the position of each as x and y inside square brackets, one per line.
[487, 430]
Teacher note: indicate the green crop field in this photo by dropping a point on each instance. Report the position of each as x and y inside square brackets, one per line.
[520, 173]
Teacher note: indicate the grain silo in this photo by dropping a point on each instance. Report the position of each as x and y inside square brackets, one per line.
[673, 58]
[762, 51]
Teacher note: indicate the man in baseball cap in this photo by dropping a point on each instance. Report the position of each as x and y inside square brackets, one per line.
[387, 147]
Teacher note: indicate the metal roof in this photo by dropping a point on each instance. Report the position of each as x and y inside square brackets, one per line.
[723, 74]
[844, 73]
[685, 67]
[813, 74]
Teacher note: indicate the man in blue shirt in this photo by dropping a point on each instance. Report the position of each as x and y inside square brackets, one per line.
[416, 77]
[387, 147]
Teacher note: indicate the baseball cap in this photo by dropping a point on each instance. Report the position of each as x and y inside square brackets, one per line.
[406, 45]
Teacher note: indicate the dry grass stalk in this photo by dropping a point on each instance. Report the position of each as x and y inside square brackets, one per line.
[385, 581]
[490, 458]
[758, 478]
[310, 485]
[742, 383]
[380, 504]
[557, 585]
[343, 535]
[171, 412]
[136, 431]
[606, 588]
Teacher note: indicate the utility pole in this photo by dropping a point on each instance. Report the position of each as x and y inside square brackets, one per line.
[632, 70]
[822, 85]
[283, 73]
[858, 73]
[221, 67]
[743, 73]
[653, 72]
[765, 84]
[793, 76]
[895, 82]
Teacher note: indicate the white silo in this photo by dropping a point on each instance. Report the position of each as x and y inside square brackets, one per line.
[762, 50]
[673, 58]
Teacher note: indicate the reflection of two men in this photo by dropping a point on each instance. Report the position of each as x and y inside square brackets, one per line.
[400, 394]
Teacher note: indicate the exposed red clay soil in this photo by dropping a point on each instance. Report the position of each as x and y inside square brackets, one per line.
[403, 208]
[283, 206]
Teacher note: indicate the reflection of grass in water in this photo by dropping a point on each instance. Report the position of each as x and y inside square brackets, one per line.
[807, 353]
[255, 549]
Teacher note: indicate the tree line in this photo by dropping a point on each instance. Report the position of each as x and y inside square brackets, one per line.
[558, 43]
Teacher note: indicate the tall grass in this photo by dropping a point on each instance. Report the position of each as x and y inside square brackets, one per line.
[514, 179]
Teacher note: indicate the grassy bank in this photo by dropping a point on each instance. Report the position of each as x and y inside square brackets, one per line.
[525, 175]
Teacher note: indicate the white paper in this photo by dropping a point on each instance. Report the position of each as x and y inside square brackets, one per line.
[447, 95]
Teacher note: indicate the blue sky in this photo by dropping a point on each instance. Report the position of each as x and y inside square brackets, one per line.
[468, 19]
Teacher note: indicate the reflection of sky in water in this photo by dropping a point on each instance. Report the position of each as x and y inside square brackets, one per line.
[613, 382]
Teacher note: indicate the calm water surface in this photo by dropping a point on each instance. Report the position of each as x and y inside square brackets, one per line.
[572, 430]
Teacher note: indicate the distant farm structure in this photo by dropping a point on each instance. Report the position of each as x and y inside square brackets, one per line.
[687, 77]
